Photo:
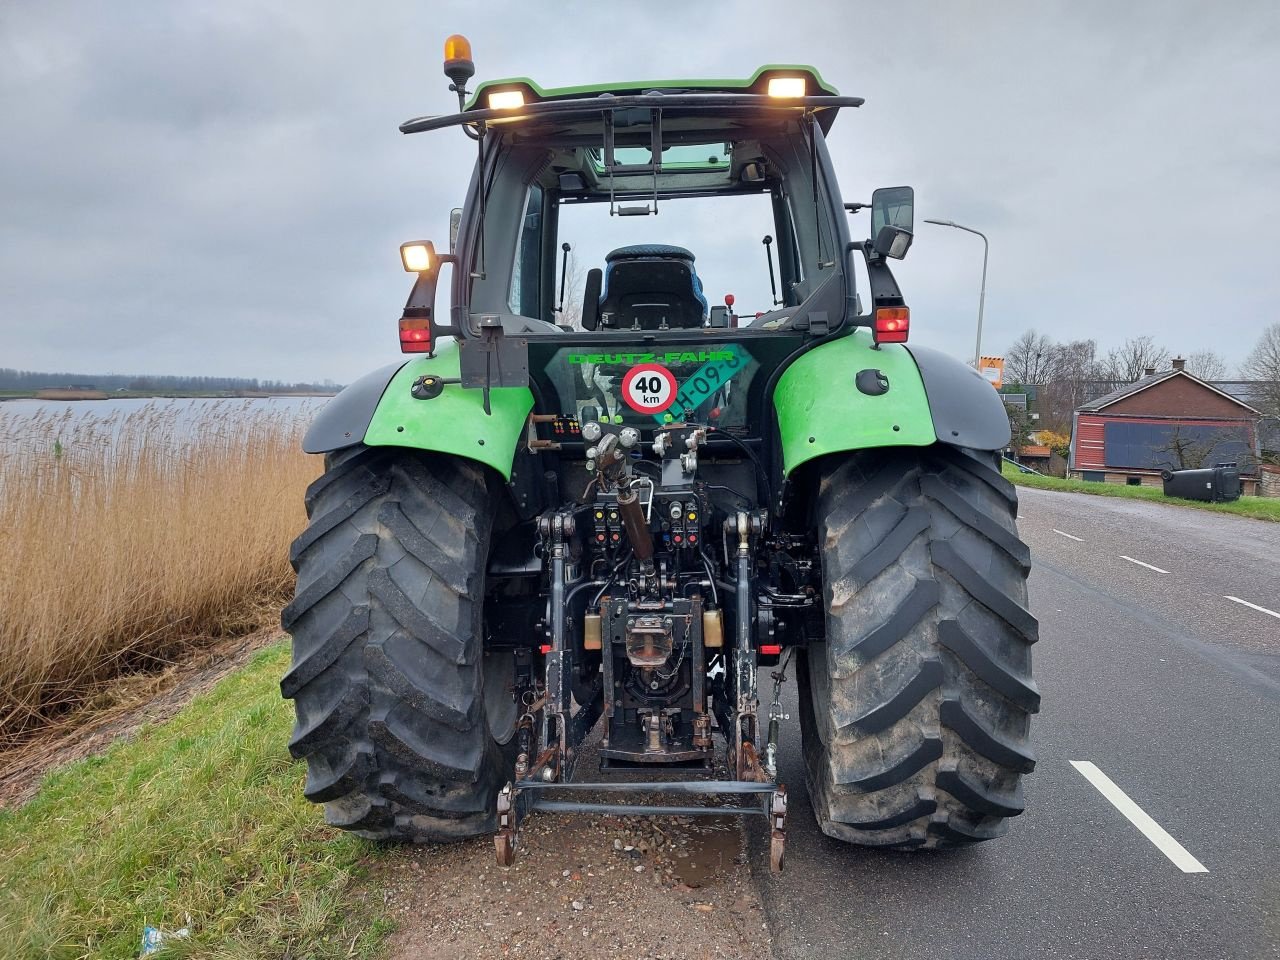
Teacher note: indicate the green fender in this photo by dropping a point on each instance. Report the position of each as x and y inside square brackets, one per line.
[820, 409]
[455, 421]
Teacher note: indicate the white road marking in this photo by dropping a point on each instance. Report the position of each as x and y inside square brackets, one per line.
[1069, 536]
[1141, 564]
[1170, 847]
[1255, 607]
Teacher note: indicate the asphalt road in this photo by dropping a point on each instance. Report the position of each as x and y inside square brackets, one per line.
[1167, 687]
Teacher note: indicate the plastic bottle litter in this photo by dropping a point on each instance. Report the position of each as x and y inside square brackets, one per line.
[153, 938]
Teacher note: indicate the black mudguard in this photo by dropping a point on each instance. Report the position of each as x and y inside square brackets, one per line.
[966, 411]
[345, 418]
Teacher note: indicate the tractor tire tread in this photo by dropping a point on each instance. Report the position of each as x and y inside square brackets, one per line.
[386, 676]
[915, 707]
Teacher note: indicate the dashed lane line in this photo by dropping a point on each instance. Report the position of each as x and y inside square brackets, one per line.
[1157, 834]
[1069, 536]
[1141, 564]
[1254, 606]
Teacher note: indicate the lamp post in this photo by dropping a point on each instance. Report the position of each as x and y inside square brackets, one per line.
[982, 293]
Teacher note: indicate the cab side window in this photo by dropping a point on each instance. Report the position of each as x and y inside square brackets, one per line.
[526, 274]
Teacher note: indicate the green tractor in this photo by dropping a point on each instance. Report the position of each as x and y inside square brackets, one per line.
[594, 498]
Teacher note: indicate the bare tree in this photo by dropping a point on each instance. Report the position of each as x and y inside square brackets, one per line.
[1207, 365]
[1132, 360]
[1027, 361]
[1263, 365]
[1071, 367]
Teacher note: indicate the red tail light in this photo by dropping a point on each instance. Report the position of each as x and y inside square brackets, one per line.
[415, 335]
[892, 324]
[770, 649]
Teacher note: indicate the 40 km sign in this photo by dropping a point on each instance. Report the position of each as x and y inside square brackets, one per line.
[649, 388]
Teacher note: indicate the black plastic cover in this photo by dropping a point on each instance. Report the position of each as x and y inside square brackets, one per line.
[967, 411]
[345, 419]
[872, 382]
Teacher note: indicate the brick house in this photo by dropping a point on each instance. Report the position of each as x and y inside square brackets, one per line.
[1168, 420]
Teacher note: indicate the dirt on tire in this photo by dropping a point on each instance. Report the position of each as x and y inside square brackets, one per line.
[915, 710]
[402, 737]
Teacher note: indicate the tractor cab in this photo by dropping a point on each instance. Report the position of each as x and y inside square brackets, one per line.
[694, 230]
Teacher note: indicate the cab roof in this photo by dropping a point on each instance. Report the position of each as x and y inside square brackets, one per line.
[732, 95]
[757, 83]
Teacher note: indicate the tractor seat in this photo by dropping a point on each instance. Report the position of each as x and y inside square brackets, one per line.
[651, 286]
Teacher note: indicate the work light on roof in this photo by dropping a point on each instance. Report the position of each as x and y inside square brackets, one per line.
[785, 87]
[506, 100]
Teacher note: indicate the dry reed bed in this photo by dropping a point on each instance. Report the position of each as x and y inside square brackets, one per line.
[127, 539]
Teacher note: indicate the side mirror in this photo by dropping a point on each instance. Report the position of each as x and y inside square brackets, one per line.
[455, 221]
[893, 207]
[892, 220]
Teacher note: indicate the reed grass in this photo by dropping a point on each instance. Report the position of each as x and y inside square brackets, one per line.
[126, 539]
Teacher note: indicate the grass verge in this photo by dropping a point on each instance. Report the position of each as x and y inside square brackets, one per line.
[200, 817]
[1258, 508]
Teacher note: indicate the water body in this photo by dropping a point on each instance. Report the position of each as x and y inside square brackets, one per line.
[169, 419]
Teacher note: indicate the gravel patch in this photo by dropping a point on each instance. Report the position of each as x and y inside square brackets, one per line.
[659, 888]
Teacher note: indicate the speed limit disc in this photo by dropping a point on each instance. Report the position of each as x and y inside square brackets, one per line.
[649, 388]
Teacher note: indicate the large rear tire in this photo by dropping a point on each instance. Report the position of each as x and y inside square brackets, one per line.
[405, 722]
[915, 710]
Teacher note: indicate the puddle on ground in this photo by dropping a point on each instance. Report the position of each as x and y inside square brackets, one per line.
[708, 851]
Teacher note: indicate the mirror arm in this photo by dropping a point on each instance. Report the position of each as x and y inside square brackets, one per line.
[421, 303]
[885, 291]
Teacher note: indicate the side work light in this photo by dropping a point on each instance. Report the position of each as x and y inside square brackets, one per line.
[418, 256]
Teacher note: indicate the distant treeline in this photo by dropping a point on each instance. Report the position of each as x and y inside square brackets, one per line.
[33, 380]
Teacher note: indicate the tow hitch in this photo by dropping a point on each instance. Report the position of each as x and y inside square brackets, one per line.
[517, 800]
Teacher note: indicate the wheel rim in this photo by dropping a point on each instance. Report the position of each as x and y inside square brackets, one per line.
[501, 712]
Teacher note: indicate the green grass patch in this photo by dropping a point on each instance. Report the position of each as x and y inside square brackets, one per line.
[1259, 508]
[200, 817]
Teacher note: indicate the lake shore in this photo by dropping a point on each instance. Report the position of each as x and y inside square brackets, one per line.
[61, 394]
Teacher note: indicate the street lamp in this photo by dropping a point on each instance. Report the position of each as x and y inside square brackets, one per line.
[982, 293]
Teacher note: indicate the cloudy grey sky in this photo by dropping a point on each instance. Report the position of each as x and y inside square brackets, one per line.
[218, 187]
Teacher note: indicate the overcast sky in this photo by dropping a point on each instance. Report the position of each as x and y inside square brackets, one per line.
[219, 187]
